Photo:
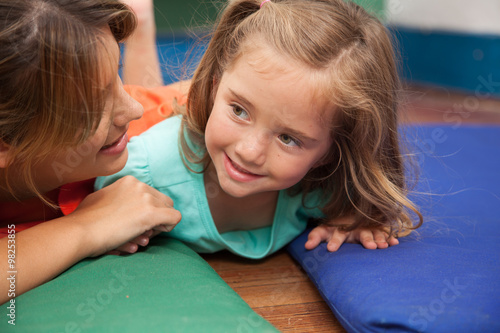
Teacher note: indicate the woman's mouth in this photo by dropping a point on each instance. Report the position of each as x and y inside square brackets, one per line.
[116, 147]
[238, 173]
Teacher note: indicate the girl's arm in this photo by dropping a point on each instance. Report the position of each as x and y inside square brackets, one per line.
[369, 238]
[105, 220]
[140, 59]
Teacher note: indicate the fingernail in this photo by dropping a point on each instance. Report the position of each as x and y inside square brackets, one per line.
[132, 248]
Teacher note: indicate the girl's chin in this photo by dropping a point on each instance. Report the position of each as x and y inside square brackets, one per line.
[236, 191]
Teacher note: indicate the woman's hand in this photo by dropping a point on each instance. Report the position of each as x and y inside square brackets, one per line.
[370, 238]
[133, 245]
[124, 215]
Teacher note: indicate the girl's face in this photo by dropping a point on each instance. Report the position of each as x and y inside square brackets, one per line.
[105, 152]
[268, 126]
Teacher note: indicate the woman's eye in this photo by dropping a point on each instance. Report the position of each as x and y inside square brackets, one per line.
[239, 112]
[288, 140]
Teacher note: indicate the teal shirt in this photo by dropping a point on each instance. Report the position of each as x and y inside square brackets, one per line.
[154, 158]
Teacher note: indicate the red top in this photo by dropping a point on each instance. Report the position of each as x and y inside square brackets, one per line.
[157, 103]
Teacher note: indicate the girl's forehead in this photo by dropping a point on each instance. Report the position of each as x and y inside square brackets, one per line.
[264, 59]
[272, 81]
[289, 73]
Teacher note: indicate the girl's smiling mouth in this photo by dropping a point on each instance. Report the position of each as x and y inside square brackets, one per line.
[238, 173]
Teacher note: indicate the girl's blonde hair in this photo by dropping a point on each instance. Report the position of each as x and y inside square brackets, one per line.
[51, 75]
[365, 173]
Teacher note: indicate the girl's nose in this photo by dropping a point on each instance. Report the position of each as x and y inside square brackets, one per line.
[252, 148]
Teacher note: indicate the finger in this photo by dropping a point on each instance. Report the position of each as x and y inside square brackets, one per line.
[393, 241]
[168, 202]
[143, 239]
[154, 233]
[171, 217]
[366, 238]
[127, 248]
[164, 200]
[162, 228]
[161, 199]
[380, 238]
[163, 219]
[338, 238]
[315, 237]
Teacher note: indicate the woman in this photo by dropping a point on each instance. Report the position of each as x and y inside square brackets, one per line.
[64, 116]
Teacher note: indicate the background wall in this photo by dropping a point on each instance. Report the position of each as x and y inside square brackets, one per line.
[449, 43]
[174, 17]
[177, 16]
[478, 17]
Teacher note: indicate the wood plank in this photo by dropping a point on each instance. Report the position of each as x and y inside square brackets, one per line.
[307, 317]
[278, 289]
[442, 106]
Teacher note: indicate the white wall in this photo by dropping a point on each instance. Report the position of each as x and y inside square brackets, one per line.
[470, 16]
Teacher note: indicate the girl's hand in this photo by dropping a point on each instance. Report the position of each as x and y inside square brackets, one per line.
[369, 238]
[124, 215]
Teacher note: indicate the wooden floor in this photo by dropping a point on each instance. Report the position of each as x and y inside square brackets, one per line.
[276, 287]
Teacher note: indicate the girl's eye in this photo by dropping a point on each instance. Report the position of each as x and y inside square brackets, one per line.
[239, 112]
[288, 140]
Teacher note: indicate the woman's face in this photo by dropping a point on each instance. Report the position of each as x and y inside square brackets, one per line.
[105, 152]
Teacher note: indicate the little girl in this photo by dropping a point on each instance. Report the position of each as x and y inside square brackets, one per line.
[291, 115]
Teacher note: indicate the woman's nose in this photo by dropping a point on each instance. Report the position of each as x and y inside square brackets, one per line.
[126, 108]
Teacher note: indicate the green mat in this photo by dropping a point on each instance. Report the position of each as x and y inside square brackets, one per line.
[167, 288]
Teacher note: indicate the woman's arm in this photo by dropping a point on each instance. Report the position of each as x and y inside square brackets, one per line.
[105, 220]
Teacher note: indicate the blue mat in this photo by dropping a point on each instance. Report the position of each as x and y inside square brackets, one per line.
[446, 278]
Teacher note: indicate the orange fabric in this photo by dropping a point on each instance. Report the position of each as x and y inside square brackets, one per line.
[157, 103]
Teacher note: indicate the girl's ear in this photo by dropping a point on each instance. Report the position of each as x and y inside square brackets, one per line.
[215, 86]
[322, 161]
[319, 163]
[329, 157]
[4, 154]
